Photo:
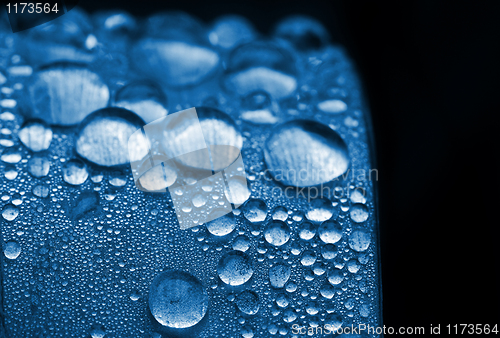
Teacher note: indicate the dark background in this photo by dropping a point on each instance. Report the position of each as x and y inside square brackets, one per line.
[431, 73]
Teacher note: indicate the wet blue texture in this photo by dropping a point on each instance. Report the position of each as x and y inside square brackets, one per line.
[88, 254]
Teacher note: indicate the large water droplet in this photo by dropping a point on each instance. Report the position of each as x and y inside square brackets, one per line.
[75, 172]
[277, 233]
[103, 137]
[359, 240]
[248, 302]
[177, 299]
[261, 66]
[144, 98]
[36, 136]
[305, 153]
[235, 268]
[222, 226]
[65, 93]
[12, 250]
[255, 210]
[279, 275]
[10, 212]
[39, 166]
[330, 231]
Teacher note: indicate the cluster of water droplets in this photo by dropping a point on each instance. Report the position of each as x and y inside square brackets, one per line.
[89, 254]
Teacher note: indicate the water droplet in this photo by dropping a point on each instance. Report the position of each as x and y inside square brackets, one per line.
[261, 66]
[280, 213]
[334, 321]
[222, 226]
[327, 291]
[38, 166]
[289, 316]
[256, 108]
[12, 250]
[329, 251]
[330, 231]
[353, 266]
[359, 240]
[103, 137]
[248, 302]
[358, 195]
[307, 231]
[11, 157]
[303, 32]
[335, 276]
[65, 93]
[332, 106]
[247, 332]
[10, 212]
[36, 136]
[75, 172]
[97, 331]
[230, 31]
[255, 210]
[41, 190]
[235, 268]
[146, 99]
[308, 258]
[277, 233]
[304, 153]
[241, 243]
[158, 178]
[85, 203]
[117, 179]
[359, 213]
[10, 174]
[175, 63]
[279, 275]
[177, 299]
[237, 191]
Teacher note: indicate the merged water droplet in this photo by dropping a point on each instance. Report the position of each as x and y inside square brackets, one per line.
[235, 268]
[75, 172]
[144, 98]
[359, 240]
[222, 226]
[248, 302]
[35, 135]
[305, 153]
[279, 275]
[65, 93]
[12, 250]
[261, 66]
[330, 231]
[277, 233]
[103, 137]
[177, 299]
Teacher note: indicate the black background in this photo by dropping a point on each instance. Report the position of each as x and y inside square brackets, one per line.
[431, 74]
